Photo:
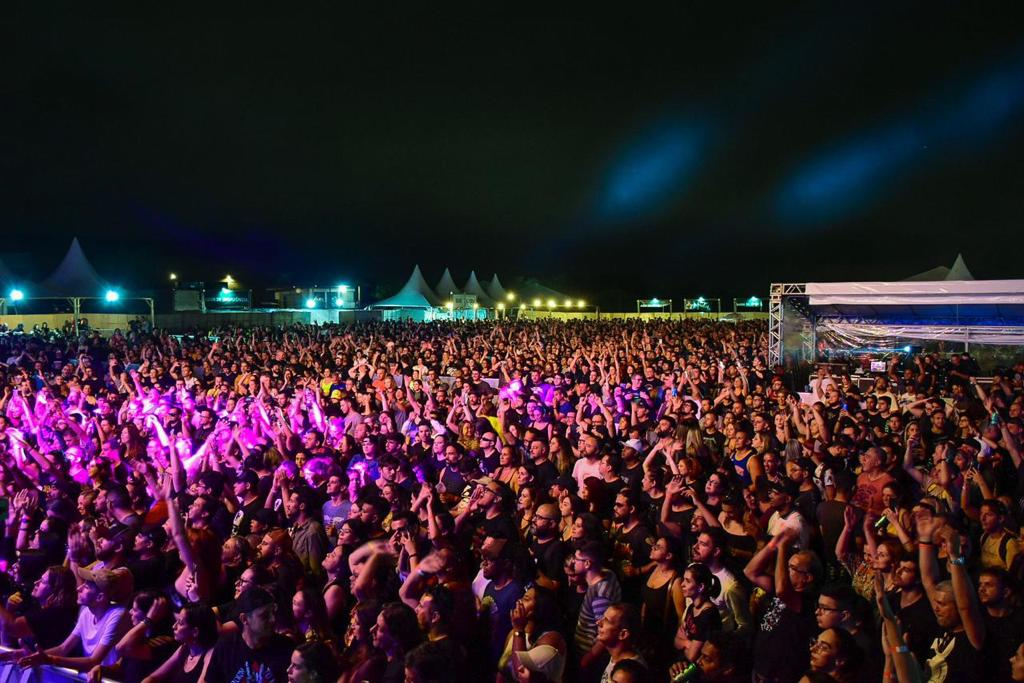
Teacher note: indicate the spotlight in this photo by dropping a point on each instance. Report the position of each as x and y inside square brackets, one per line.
[581, 303]
[17, 295]
[111, 295]
[536, 303]
[310, 303]
[174, 276]
[511, 296]
[552, 303]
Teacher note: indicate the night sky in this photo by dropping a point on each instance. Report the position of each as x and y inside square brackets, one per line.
[641, 153]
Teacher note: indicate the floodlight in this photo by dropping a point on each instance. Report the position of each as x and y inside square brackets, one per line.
[111, 295]
[17, 295]
[310, 303]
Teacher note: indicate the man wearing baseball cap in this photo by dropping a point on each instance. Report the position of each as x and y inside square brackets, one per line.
[102, 620]
[257, 653]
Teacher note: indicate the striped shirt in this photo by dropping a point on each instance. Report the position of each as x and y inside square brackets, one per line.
[598, 598]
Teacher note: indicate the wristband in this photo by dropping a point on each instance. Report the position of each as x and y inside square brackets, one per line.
[920, 542]
[519, 634]
[902, 649]
[958, 561]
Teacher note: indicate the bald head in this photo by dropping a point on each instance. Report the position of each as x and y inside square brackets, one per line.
[549, 510]
[546, 521]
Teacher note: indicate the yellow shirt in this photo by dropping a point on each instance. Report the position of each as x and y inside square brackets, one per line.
[992, 556]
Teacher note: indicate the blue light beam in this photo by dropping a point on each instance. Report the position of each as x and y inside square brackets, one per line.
[651, 173]
[855, 173]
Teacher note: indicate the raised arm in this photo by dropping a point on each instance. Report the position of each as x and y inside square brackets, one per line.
[966, 597]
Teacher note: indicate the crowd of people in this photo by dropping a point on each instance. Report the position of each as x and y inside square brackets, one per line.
[615, 501]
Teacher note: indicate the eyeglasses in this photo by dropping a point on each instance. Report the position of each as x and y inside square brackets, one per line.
[816, 644]
[825, 608]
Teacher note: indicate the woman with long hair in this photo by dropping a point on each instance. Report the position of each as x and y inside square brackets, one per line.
[560, 451]
[195, 627]
[661, 593]
[359, 660]
[508, 467]
[586, 527]
[527, 501]
[701, 617]
[309, 616]
[569, 506]
[48, 614]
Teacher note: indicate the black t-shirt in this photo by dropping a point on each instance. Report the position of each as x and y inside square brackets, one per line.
[550, 558]
[953, 659]
[918, 621]
[780, 641]
[1002, 637]
[501, 526]
[634, 476]
[241, 524]
[545, 474]
[633, 546]
[489, 463]
[235, 662]
[151, 574]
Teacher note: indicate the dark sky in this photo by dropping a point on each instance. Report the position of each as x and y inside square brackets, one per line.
[641, 153]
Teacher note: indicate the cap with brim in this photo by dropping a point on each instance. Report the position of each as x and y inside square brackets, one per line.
[116, 583]
[636, 444]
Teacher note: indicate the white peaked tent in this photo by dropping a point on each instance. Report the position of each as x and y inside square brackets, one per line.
[75, 276]
[473, 287]
[446, 287]
[958, 271]
[495, 290]
[414, 294]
